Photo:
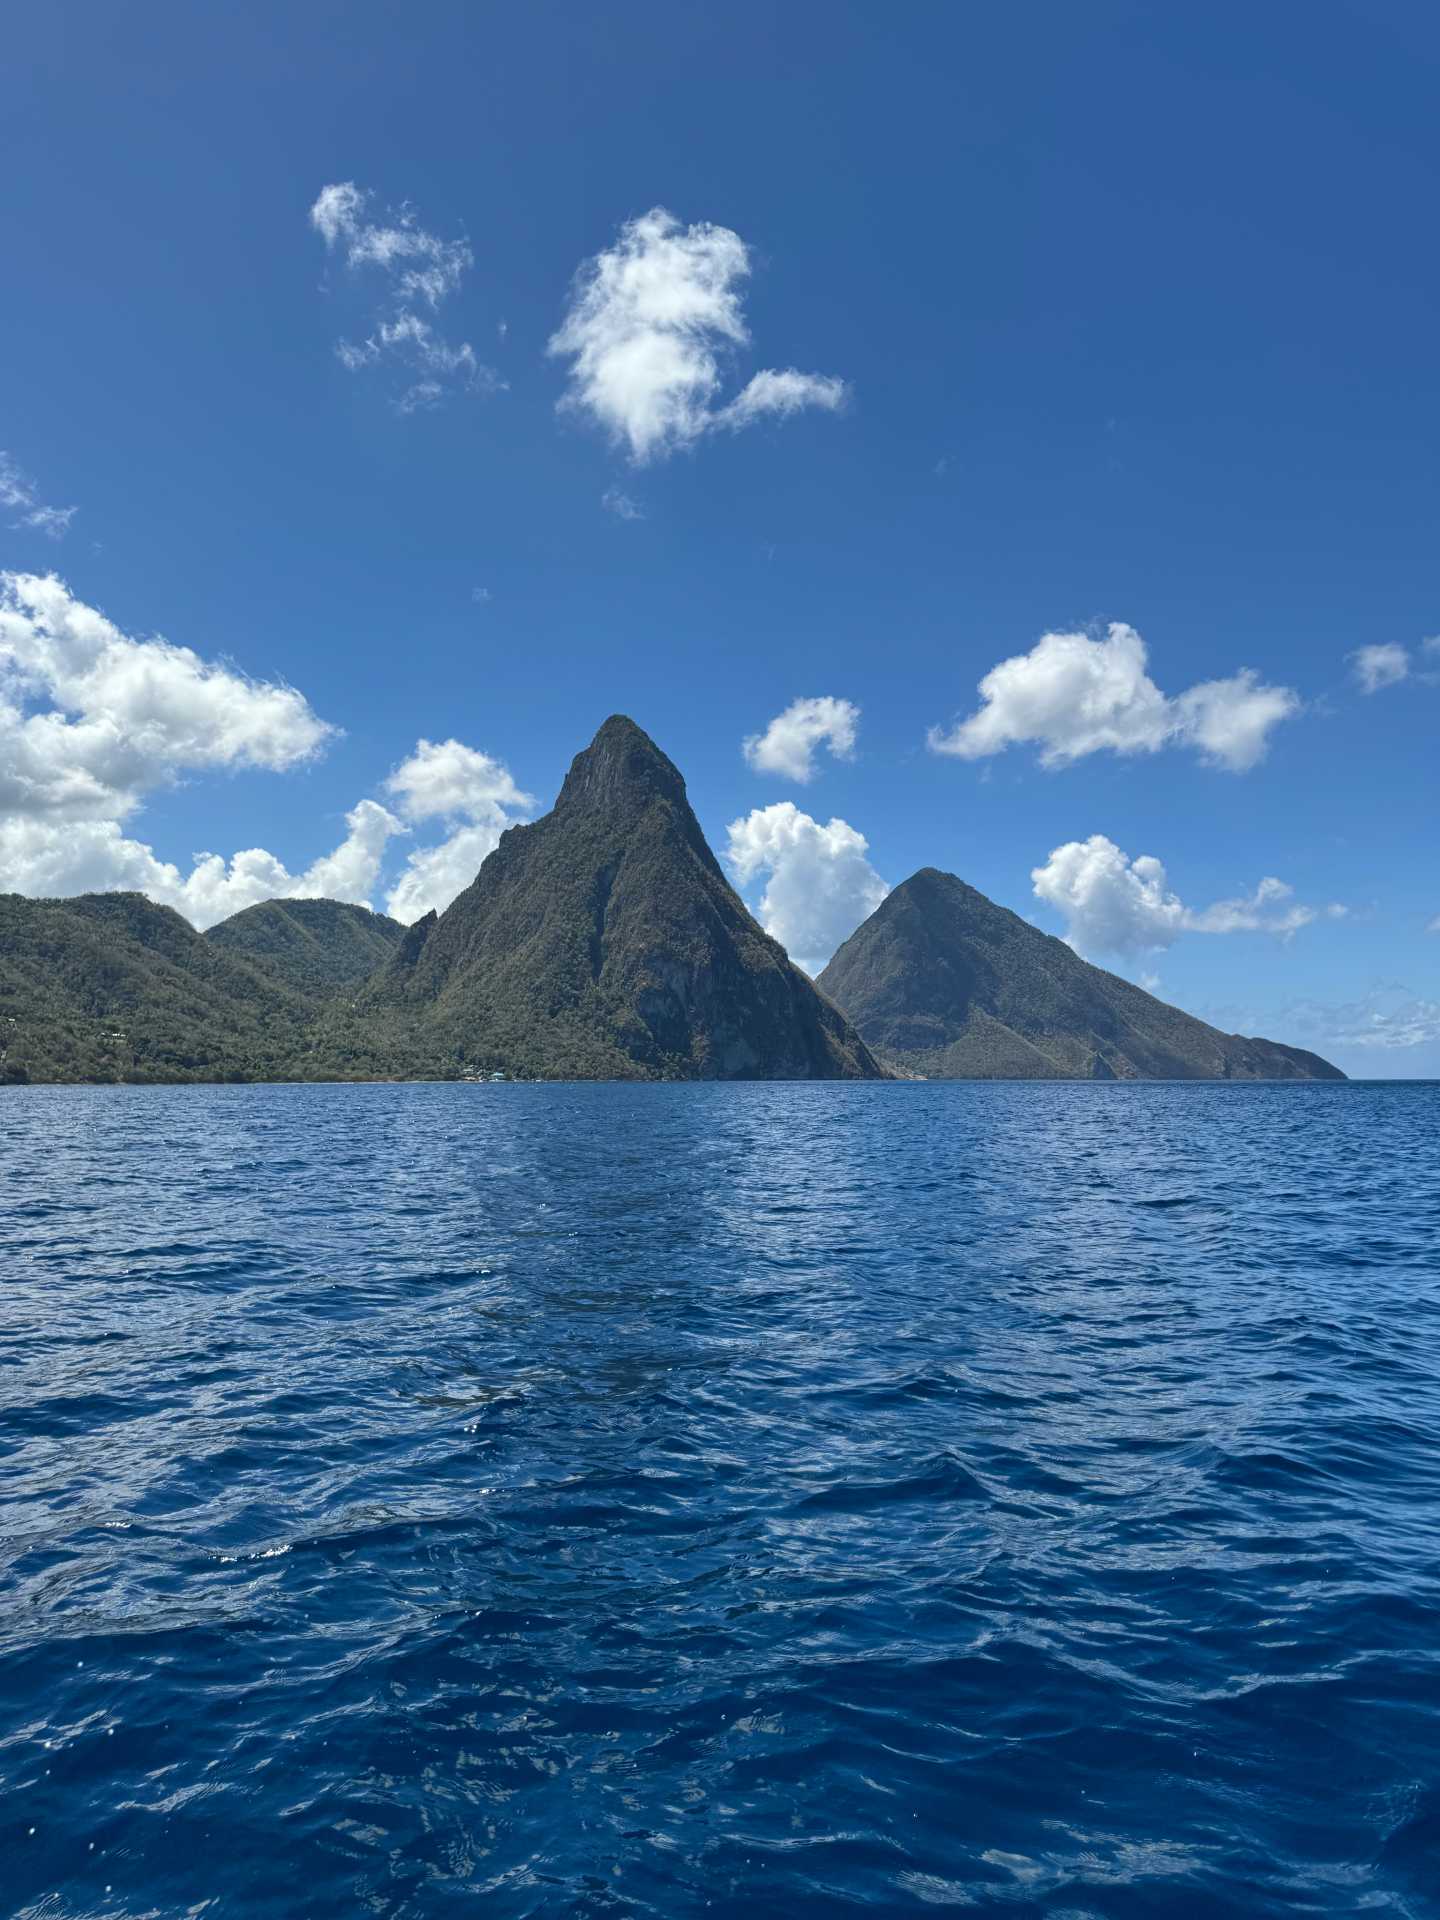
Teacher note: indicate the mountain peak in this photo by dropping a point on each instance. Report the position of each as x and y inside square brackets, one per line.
[955, 986]
[603, 941]
[621, 766]
[316, 945]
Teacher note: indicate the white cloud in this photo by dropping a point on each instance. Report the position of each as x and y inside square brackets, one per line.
[122, 716]
[17, 492]
[433, 876]
[51, 858]
[91, 720]
[1074, 695]
[783, 394]
[417, 268]
[475, 796]
[1380, 666]
[446, 779]
[424, 266]
[616, 501]
[648, 323]
[1229, 721]
[787, 746]
[1113, 904]
[819, 884]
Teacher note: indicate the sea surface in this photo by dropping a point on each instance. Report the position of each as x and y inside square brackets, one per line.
[728, 1500]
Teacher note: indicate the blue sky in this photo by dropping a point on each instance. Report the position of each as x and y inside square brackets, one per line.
[1110, 322]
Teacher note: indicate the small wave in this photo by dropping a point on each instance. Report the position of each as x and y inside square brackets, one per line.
[410, 1508]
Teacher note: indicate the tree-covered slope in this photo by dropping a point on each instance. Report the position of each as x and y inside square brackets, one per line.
[604, 941]
[941, 981]
[109, 986]
[314, 946]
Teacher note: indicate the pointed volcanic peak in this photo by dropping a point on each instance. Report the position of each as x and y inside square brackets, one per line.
[604, 941]
[620, 773]
[941, 981]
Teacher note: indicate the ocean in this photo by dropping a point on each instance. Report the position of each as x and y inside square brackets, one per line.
[725, 1500]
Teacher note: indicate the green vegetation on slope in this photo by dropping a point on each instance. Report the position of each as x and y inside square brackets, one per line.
[111, 987]
[602, 942]
[314, 946]
[943, 982]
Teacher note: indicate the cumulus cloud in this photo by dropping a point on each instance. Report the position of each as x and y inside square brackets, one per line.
[1113, 904]
[648, 324]
[787, 746]
[1380, 666]
[474, 795]
[446, 779]
[91, 719]
[819, 884]
[17, 492]
[1074, 694]
[416, 269]
[43, 857]
[433, 876]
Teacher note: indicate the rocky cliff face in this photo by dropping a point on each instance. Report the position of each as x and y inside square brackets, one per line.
[604, 941]
[941, 981]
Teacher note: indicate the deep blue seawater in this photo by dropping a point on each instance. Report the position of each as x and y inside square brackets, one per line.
[740, 1500]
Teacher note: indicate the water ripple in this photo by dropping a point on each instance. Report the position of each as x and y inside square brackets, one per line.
[720, 1500]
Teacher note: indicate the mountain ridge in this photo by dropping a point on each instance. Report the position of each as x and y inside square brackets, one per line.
[942, 981]
[601, 941]
[313, 944]
[111, 986]
[605, 933]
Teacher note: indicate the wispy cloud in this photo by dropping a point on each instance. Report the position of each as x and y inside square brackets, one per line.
[17, 492]
[1388, 1019]
[615, 500]
[1388, 663]
[415, 270]
[1380, 666]
[649, 321]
